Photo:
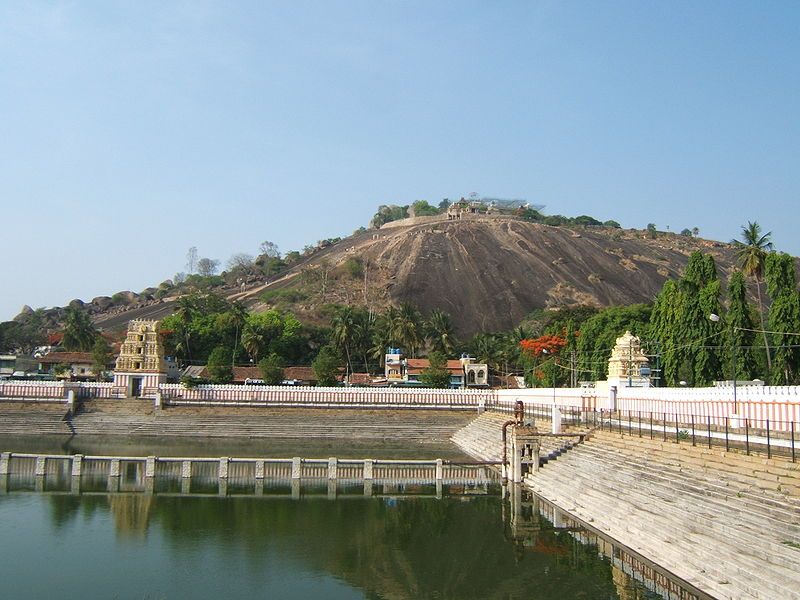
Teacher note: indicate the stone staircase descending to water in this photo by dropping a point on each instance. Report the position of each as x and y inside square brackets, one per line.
[483, 439]
[727, 523]
[112, 417]
[46, 418]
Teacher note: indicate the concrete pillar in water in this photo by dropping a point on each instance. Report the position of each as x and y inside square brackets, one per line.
[5, 460]
[260, 470]
[259, 488]
[150, 467]
[223, 487]
[333, 468]
[38, 483]
[114, 468]
[149, 486]
[297, 466]
[556, 425]
[224, 464]
[439, 470]
[368, 464]
[77, 465]
[3, 484]
[439, 489]
[368, 487]
[331, 489]
[186, 485]
[41, 465]
[296, 488]
[75, 485]
[186, 469]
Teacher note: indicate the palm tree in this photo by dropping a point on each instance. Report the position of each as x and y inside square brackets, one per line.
[185, 313]
[752, 251]
[254, 340]
[79, 333]
[439, 331]
[238, 316]
[343, 326]
[407, 328]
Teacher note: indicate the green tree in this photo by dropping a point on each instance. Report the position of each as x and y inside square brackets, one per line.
[219, 365]
[79, 332]
[101, 356]
[741, 359]
[652, 232]
[751, 252]
[272, 369]
[327, 366]
[784, 317]
[436, 374]
[423, 209]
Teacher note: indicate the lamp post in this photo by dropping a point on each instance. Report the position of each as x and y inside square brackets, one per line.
[731, 330]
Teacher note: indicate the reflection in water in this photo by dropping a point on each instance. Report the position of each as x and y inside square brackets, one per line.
[394, 546]
[131, 513]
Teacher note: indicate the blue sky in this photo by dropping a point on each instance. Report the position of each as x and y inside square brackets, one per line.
[223, 124]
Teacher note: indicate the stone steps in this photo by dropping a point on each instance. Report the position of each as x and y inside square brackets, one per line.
[702, 560]
[706, 484]
[17, 422]
[679, 517]
[704, 507]
[347, 426]
[731, 467]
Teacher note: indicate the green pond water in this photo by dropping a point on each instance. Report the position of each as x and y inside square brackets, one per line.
[138, 546]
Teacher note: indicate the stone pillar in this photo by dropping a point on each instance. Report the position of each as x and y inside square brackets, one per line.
[186, 485]
[41, 465]
[368, 464]
[75, 487]
[113, 483]
[297, 467]
[71, 400]
[186, 469]
[158, 400]
[296, 488]
[223, 487]
[333, 468]
[481, 405]
[150, 467]
[439, 489]
[5, 460]
[516, 460]
[331, 489]
[113, 468]
[260, 470]
[439, 470]
[224, 463]
[77, 464]
[3, 484]
[556, 420]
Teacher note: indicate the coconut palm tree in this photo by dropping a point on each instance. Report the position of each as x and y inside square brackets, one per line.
[79, 332]
[752, 251]
[439, 331]
[343, 329]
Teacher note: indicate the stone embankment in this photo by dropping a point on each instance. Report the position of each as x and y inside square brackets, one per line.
[138, 418]
[725, 522]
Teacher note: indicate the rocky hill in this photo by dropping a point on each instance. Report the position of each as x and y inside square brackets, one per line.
[488, 272]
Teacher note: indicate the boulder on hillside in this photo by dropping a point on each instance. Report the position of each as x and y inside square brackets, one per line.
[102, 302]
[24, 314]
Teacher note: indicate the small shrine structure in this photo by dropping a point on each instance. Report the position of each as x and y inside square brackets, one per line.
[140, 366]
[628, 366]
